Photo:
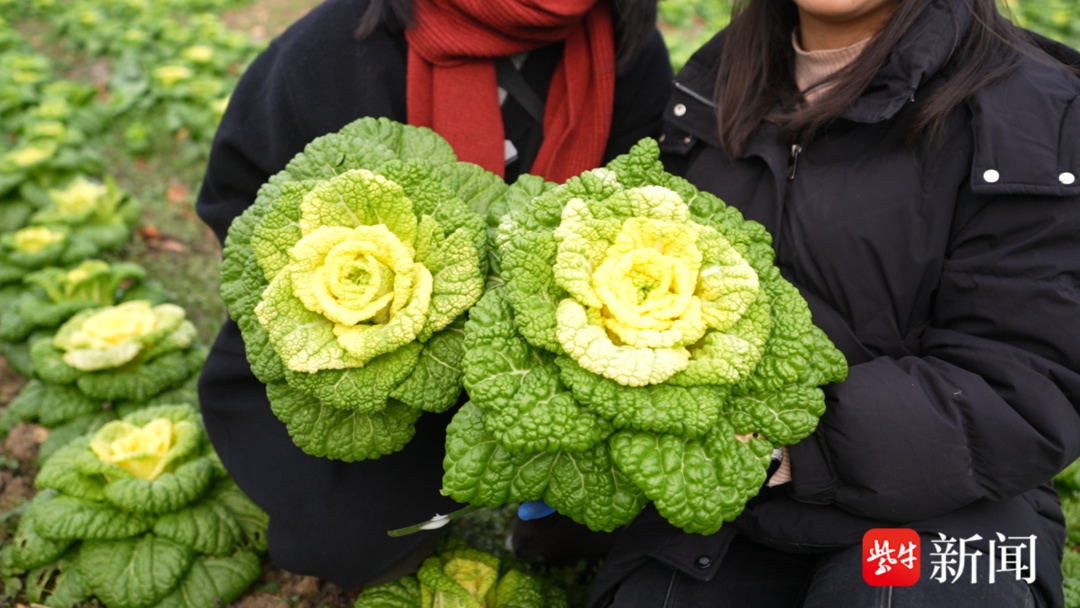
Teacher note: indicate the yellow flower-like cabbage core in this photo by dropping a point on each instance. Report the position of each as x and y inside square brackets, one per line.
[56, 108]
[646, 288]
[200, 53]
[82, 196]
[36, 238]
[114, 326]
[26, 77]
[30, 155]
[170, 75]
[475, 577]
[51, 129]
[646, 285]
[141, 451]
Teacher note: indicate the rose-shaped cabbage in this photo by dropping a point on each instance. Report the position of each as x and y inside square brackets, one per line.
[109, 337]
[130, 351]
[142, 451]
[36, 239]
[139, 514]
[80, 198]
[643, 348]
[92, 210]
[348, 279]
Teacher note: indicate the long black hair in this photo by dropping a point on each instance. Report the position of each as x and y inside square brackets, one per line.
[756, 81]
[635, 22]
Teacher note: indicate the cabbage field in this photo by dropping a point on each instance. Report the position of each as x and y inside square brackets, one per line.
[109, 299]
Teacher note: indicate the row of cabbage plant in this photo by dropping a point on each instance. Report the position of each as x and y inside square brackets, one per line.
[133, 508]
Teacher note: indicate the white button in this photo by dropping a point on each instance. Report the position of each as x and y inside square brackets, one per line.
[991, 176]
[679, 109]
[1067, 178]
[687, 139]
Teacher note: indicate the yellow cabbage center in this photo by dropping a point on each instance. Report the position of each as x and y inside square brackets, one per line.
[365, 274]
[33, 240]
[78, 198]
[475, 577]
[116, 325]
[140, 451]
[646, 284]
[170, 75]
[30, 155]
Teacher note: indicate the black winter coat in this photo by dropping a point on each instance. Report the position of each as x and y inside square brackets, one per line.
[330, 518]
[949, 278]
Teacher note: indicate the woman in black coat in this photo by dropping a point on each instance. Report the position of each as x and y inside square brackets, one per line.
[329, 518]
[917, 163]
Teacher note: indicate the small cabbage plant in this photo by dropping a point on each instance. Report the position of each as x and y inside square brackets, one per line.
[643, 347]
[459, 576]
[349, 277]
[36, 247]
[130, 351]
[140, 513]
[52, 295]
[95, 211]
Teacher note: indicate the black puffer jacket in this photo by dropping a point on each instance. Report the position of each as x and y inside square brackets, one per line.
[951, 281]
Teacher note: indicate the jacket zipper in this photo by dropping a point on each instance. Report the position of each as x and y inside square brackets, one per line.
[692, 93]
[793, 161]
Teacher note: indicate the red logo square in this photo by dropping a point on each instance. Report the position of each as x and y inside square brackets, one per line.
[891, 557]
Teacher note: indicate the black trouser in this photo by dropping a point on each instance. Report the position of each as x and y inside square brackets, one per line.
[755, 576]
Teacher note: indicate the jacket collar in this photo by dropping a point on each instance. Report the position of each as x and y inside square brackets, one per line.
[921, 54]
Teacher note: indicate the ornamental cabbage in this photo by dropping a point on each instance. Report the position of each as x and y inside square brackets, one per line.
[92, 210]
[36, 247]
[459, 576]
[349, 277]
[130, 351]
[643, 347]
[140, 513]
[53, 295]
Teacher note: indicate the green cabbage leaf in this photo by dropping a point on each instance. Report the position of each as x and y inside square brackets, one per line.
[349, 277]
[640, 345]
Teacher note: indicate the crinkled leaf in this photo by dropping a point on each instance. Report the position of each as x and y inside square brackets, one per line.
[784, 417]
[49, 404]
[67, 517]
[402, 593]
[169, 492]
[696, 484]
[584, 486]
[321, 430]
[63, 473]
[435, 383]
[661, 408]
[253, 521]
[361, 389]
[518, 386]
[27, 549]
[214, 581]
[133, 573]
[207, 527]
[139, 381]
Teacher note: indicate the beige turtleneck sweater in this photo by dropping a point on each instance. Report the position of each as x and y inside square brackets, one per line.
[812, 67]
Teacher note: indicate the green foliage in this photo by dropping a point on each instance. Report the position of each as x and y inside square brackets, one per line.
[140, 513]
[642, 347]
[348, 278]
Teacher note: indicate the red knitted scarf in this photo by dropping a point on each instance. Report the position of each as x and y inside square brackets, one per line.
[452, 87]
